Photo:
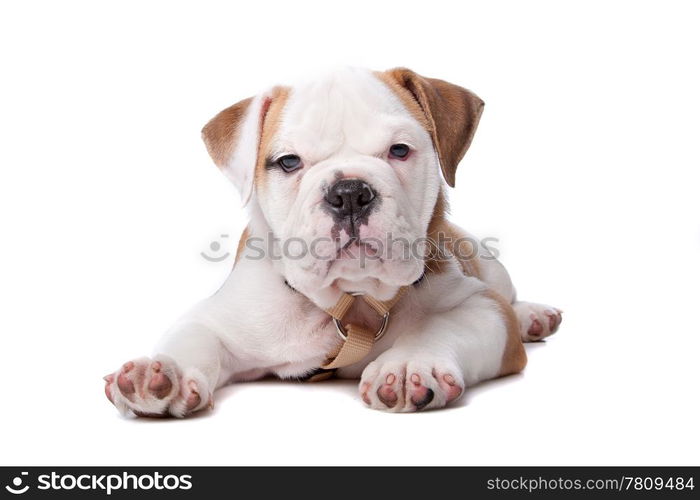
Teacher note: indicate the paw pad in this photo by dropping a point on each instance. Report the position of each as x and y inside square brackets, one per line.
[160, 385]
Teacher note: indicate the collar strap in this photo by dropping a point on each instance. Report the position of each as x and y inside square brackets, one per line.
[358, 341]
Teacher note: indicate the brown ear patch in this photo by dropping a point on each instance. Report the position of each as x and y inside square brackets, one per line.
[221, 132]
[224, 133]
[271, 116]
[451, 114]
[407, 98]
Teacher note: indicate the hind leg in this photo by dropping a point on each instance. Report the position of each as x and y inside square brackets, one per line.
[537, 321]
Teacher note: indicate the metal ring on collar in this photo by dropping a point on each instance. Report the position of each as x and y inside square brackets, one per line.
[380, 333]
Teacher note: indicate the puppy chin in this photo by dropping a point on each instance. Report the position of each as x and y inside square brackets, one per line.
[380, 280]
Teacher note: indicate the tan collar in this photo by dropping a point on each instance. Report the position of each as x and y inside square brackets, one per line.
[358, 341]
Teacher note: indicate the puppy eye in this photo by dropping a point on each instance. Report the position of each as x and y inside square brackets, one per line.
[399, 151]
[289, 163]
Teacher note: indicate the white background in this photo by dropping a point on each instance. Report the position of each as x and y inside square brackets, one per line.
[585, 167]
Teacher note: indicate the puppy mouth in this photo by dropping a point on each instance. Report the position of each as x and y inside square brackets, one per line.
[350, 226]
[352, 260]
[356, 248]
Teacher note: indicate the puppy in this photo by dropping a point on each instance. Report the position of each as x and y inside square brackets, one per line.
[348, 267]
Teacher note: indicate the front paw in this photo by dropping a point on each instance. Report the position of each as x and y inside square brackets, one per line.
[157, 388]
[410, 386]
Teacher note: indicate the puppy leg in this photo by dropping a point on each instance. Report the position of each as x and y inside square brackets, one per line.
[178, 380]
[432, 362]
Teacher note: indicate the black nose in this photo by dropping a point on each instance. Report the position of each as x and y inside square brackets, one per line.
[350, 198]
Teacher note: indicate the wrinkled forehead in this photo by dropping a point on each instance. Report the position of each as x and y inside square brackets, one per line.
[350, 110]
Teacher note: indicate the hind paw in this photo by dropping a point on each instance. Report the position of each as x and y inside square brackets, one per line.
[537, 321]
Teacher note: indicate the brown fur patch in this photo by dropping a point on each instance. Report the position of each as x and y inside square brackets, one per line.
[450, 113]
[221, 132]
[407, 98]
[436, 259]
[514, 357]
[442, 231]
[272, 115]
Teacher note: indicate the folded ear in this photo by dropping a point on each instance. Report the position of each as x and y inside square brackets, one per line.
[452, 113]
[233, 139]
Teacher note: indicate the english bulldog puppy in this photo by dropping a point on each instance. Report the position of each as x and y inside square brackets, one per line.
[345, 179]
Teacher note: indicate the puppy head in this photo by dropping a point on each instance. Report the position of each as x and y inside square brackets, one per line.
[345, 173]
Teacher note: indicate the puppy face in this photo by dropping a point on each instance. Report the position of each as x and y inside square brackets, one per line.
[345, 172]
